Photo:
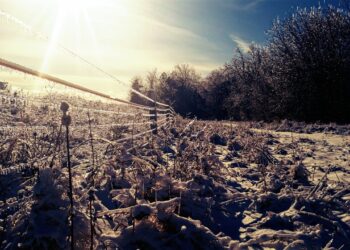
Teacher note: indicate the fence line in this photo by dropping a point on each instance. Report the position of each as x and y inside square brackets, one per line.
[48, 77]
[140, 134]
[56, 106]
[12, 128]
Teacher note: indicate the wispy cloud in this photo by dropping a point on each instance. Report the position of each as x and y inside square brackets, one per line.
[240, 43]
[241, 4]
[252, 4]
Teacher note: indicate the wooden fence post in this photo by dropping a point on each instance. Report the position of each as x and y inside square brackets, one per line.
[153, 119]
[66, 121]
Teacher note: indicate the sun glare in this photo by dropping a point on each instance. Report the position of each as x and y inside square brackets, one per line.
[73, 5]
[68, 13]
[78, 16]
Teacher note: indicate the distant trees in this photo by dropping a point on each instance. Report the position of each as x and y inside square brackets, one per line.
[216, 90]
[137, 84]
[301, 73]
[180, 88]
[251, 92]
[184, 83]
[152, 82]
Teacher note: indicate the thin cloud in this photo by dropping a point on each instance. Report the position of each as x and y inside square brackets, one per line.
[241, 44]
[252, 4]
[242, 4]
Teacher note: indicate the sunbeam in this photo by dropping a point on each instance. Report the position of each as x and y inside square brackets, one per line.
[53, 39]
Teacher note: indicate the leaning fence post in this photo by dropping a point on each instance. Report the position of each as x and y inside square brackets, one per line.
[132, 132]
[153, 119]
[66, 121]
[92, 151]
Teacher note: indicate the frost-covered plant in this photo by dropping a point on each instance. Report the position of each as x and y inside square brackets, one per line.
[45, 223]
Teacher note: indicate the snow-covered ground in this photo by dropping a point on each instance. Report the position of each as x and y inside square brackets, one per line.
[195, 185]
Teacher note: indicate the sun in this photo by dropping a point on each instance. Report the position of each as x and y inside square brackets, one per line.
[79, 17]
[74, 6]
[68, 14]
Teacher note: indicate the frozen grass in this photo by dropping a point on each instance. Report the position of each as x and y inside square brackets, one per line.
[195, 185]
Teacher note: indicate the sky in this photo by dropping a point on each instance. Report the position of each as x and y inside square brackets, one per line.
[127, 38]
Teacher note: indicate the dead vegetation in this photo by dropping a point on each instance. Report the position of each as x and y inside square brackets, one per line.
[195, 185]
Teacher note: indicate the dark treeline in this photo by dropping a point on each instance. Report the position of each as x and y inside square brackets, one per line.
[301, 73]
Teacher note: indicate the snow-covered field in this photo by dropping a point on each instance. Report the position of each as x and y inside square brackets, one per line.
[195, 185]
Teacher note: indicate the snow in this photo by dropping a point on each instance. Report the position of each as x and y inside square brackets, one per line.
[195, 185]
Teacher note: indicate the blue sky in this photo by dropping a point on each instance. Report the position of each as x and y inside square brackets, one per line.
[229, 24]
[131, 37]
